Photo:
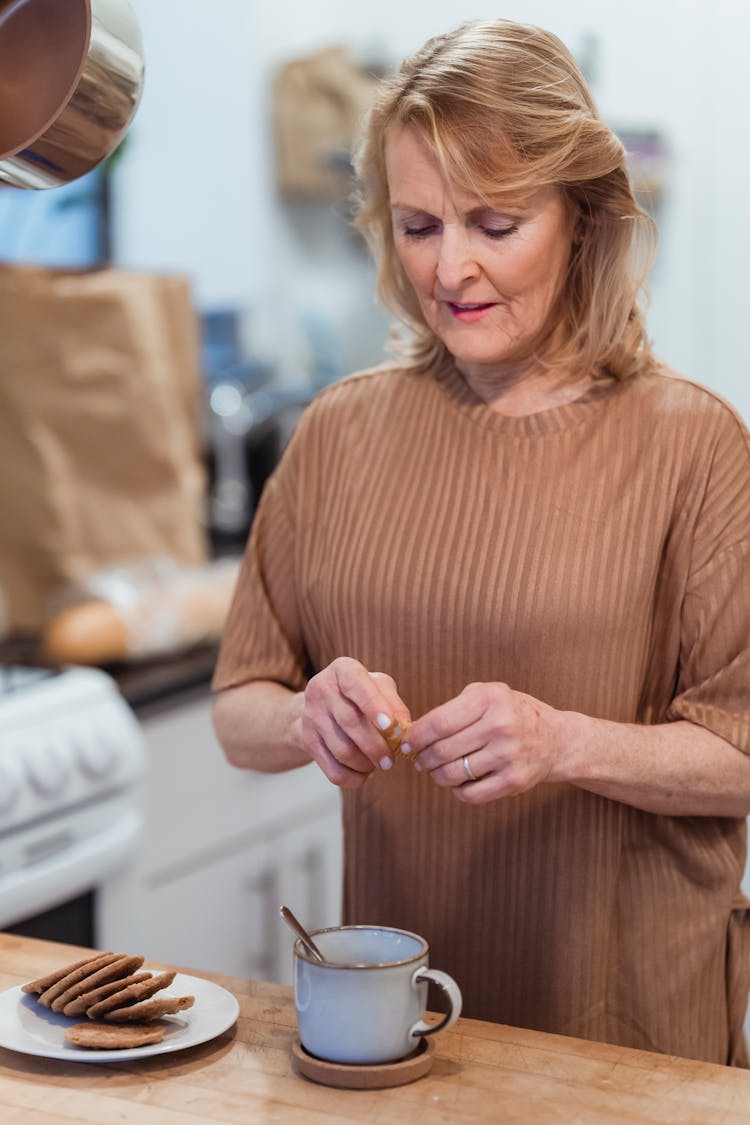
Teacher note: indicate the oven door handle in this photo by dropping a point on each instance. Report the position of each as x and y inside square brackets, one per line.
[72, 871]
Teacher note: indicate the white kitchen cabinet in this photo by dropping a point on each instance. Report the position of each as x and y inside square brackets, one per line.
[222, 849]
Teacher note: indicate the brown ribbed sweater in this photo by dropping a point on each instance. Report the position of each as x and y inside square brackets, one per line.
[593, 555]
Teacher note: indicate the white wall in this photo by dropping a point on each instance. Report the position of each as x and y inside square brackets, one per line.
[196, 192]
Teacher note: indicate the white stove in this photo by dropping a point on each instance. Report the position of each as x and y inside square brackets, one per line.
[71, 757]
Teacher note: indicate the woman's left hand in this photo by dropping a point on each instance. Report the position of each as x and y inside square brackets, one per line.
[488, 742]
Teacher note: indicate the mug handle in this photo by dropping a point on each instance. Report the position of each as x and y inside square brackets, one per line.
[451, 991]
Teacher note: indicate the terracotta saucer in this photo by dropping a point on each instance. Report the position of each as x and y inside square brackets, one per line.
[356, 1076]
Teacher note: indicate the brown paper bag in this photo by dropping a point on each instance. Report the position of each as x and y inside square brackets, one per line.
[99, 428]
[318, 105]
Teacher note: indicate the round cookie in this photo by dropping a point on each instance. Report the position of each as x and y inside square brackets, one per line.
[106, 1037]
[151, 1009]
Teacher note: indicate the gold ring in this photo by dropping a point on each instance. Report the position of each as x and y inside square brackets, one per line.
[468, 770]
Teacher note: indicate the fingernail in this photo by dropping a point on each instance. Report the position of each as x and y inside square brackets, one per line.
[417, 767]
[385, 763]
[382, 721]
[405, 748]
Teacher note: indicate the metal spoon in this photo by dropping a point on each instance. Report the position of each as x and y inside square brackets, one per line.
[302, 933]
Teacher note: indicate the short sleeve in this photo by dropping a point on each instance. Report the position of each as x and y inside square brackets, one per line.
[262, 637]
[713, 688]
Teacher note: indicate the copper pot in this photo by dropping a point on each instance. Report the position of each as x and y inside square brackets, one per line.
[71, 76]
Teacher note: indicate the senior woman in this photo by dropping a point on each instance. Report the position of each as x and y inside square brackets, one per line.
[525, 542]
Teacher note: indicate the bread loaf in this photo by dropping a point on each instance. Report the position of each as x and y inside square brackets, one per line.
[143, 614]
[90, 633]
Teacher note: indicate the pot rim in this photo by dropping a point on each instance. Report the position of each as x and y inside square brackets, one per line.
[72, 87]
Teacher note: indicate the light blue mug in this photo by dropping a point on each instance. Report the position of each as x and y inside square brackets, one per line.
[366, 1003]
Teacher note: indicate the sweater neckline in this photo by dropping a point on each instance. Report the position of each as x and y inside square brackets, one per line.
[554, 418]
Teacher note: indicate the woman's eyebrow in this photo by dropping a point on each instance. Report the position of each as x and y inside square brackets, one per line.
[508, 209]
[475, 212]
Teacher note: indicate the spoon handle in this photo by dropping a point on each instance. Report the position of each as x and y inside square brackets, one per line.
[301, 933]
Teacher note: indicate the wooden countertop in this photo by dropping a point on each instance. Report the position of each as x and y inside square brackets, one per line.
[482, 1073]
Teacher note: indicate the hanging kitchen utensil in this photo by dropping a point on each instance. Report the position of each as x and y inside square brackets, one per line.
[71, 76]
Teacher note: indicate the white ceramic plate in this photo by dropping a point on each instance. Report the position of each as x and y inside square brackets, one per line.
[28, 1027]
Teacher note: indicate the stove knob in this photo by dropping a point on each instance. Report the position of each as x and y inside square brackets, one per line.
[98, 756]
[10, 787]
[47, 770]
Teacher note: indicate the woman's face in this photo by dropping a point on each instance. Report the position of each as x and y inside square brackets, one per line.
[485, 279]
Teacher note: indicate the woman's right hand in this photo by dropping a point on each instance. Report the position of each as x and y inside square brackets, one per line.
[344, 711]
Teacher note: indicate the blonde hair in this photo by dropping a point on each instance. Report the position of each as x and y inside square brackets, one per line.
[507, 111]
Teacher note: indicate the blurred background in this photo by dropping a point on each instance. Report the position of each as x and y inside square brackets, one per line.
[196, 190]
[216, 285]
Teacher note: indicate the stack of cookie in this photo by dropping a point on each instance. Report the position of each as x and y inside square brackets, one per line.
[120, 1002]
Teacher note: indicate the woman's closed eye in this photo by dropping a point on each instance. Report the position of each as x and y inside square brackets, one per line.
[420, 231]
[499, 232]
[423, 230]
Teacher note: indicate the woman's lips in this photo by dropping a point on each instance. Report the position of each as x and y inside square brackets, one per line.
[469, 312]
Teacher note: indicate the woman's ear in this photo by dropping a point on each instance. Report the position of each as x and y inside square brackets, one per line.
[579, 227]
[576, 219]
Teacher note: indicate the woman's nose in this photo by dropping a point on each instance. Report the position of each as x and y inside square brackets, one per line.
[456, 262]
